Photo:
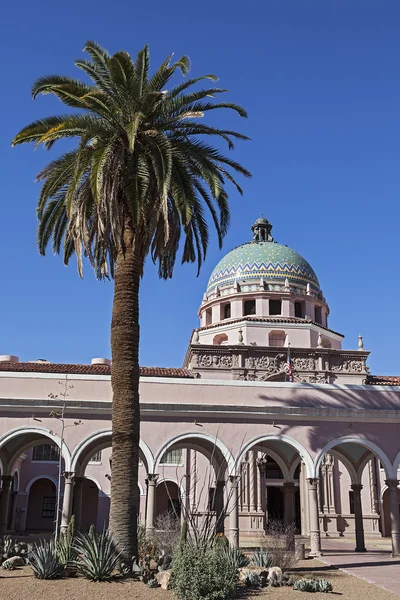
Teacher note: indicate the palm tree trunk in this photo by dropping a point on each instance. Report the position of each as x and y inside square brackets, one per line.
[125, 407]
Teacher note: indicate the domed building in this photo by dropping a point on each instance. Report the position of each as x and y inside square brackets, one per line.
[269, 418]
[263, 301]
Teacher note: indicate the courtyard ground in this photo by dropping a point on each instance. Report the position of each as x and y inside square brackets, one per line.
[18, 584]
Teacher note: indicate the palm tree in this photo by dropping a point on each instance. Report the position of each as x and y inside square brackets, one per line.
[140, 177]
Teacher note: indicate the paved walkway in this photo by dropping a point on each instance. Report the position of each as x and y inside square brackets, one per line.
[375, 566]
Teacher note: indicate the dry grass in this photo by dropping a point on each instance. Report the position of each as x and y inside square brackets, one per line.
[18, 584]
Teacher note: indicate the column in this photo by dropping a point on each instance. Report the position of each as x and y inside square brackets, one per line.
[4, 500]
[78, 489]
[394, 515]
[193, 480]
[315, 535]
[253, 482]
[373, 485]
[260, 491]
[262, 498]
[151, 482]
[13, 510]
[219, 507]
[304, 509]
[288, 499]
[329, 460]
[67, 500]
[358, 517]
[233, 510]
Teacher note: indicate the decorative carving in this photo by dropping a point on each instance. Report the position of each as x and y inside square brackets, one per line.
[225, 361]
[318, 378]
[338, 364]
[208, 360]
[204, 360]
[304, 364]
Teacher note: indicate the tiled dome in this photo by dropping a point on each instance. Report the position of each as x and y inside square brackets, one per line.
[268, 260]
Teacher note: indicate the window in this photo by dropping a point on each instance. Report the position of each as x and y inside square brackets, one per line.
[226, 311]
[48, 507]
[275, 307]
[96, 458]
[172, 457]
[273, 470]
[208, 316]
[277, 338]
[351, 502]
[299, 311]
[249, 307]
[46, 452]
[318, 315]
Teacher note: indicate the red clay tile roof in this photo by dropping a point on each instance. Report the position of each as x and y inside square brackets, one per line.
[383, 380]
[43, 367]
[278, 319]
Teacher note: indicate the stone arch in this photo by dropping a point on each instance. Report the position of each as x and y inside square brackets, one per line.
[293, 467]
[389, 470]
[98, 441]
[355, 476]
[211, 447]
[169, 496]
[42, 504]
[34, 479]
[16, 441]
[304, 454]
[96, 482]
[396, 465]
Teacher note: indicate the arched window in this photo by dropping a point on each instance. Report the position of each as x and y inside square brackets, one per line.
[249, 307]
[226, 311]
[277, 338]
[172, 457]
[273, 470]
[318, 315]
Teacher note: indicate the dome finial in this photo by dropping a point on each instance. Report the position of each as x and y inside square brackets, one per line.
[262, 230]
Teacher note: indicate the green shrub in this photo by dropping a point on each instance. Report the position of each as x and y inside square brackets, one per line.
[313, 585]
[152, 583]
[261, 558]
[203, 572]
[234, 556]
[97, 555]
[44, 560]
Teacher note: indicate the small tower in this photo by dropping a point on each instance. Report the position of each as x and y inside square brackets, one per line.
[262, 230]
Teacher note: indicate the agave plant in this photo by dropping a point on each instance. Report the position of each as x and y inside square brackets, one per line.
[65, 545]
[44, 560]
[97, 555]
[261, 558]
[234, 556]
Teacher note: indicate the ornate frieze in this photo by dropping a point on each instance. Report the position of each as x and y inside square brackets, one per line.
[250, 363]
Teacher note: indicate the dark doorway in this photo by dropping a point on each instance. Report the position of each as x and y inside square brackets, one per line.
[274, 503]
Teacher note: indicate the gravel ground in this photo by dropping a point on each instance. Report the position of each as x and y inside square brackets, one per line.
[18, 584]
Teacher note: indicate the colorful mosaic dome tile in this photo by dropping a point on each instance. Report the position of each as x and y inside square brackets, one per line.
[271, 261]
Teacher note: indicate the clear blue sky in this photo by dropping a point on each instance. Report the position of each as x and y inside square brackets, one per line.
[321, 83]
